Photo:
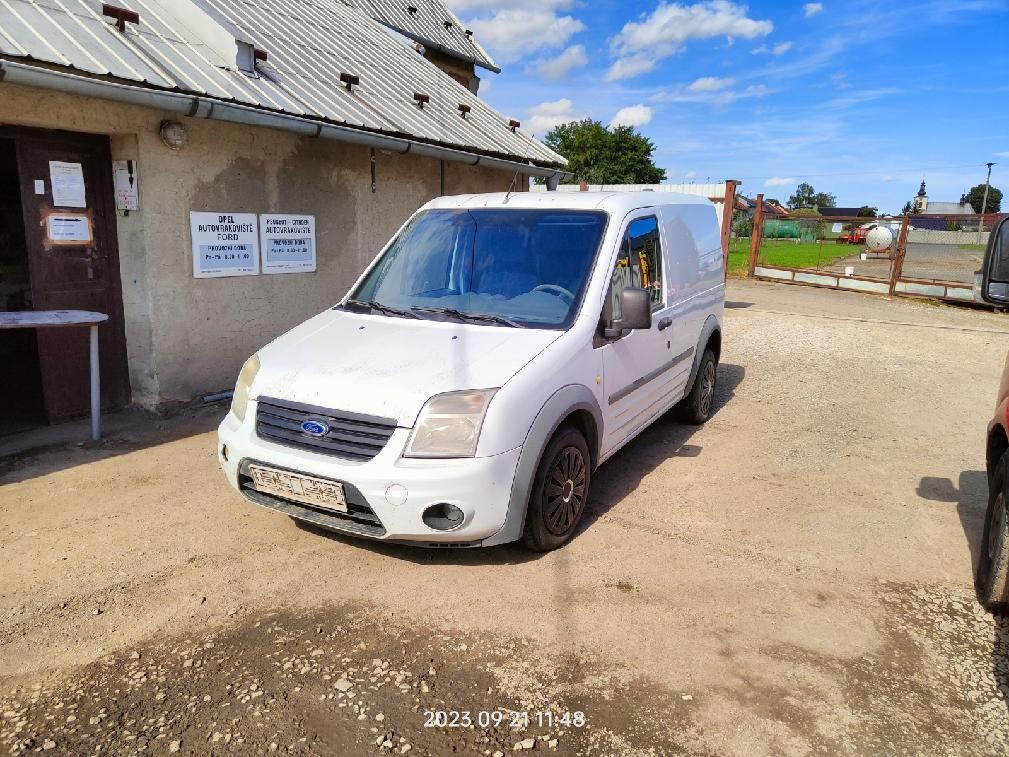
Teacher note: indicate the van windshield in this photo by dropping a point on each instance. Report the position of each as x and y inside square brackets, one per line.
[500, 266]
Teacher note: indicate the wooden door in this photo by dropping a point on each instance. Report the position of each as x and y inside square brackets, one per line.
[73, 269]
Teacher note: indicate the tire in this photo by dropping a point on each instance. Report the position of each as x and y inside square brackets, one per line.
[696, 407]
[991, 579]
[560, 491]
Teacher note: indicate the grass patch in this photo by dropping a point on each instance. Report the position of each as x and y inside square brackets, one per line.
[973, 247]
[787, 254]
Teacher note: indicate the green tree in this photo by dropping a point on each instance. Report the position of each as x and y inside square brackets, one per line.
[976, 196]
[909, 209]
[601, 155]
[807, 197]
[868, 211]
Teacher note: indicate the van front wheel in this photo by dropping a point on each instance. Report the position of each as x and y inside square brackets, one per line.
[696, 407]
[560, 491]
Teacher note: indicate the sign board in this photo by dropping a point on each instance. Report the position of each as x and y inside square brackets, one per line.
[127, 184]
[288, 243]
[67, 181]
[224, 244]
[68, 228]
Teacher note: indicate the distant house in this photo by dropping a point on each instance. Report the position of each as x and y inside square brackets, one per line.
[839, 212]
[771, 210]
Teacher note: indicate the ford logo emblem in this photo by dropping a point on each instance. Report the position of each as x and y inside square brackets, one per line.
[315, 428]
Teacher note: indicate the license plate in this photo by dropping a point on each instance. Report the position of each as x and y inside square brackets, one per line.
[316, 492]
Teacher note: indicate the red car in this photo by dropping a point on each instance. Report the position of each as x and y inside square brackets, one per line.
[991, 576]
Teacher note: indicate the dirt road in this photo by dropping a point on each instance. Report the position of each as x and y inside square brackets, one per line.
[794, 578]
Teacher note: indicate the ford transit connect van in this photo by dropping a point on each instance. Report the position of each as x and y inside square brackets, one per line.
[496, 352]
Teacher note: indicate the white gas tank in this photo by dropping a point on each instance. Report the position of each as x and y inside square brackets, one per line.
[879, 239]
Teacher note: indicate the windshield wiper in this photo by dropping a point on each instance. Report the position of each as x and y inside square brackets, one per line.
[379, 307]
[477, 317]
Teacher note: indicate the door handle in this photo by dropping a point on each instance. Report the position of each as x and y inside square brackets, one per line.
[665, 323]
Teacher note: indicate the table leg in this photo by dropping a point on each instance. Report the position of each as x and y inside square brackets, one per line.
[96, 392]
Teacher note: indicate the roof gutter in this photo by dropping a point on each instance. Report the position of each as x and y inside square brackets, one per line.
[200, 107]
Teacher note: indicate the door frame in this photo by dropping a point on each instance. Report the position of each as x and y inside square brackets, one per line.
[630, 405]
[115, 365]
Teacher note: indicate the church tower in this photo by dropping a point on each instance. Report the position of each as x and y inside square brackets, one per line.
[921, 201]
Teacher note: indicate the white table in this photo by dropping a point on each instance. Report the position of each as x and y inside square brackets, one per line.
[48, 319]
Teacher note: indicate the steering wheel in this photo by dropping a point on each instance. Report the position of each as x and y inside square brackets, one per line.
[557, 291]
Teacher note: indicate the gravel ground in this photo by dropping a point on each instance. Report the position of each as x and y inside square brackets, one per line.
[794, 578]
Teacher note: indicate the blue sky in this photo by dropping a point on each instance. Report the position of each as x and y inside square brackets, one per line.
[861, 99]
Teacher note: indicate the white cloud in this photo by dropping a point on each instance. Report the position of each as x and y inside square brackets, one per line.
[1002, 154]
[711, 89]
[811, 9]
[887, 179]
[690, 175]
[779, 49]
[559, 67]
[518, 32]
[546, 116]
[625, 68]
[665, 31]
[466, 6]
[633, 115]
[779, 181]
[710, 84]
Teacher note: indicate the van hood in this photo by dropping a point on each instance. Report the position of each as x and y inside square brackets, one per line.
[388, 366]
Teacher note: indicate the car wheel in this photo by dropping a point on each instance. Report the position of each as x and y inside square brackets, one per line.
[696, 407]
[560, 491]
[991, 580]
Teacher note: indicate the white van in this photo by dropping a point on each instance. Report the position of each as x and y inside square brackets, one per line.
[496, 352]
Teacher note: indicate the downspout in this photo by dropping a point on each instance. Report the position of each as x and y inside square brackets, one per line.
[198, 107]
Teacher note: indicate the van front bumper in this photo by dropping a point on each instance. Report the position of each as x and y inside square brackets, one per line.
[386, 495]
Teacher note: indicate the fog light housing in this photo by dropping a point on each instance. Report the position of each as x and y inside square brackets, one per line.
[443, 517]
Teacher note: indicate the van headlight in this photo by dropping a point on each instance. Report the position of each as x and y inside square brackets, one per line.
[240, 399]
[449, 425]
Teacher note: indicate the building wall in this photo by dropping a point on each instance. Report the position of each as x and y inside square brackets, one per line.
[186, 336]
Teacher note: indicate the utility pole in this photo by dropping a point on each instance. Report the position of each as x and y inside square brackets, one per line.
[984, 204]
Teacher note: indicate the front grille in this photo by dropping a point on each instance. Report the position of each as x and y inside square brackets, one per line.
[355, 437]
[360, 518]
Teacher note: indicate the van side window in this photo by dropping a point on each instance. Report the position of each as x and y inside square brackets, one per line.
[639, 263]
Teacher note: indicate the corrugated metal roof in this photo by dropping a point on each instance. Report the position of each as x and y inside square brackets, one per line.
[949, 208]
[431, 23]
[309, 42]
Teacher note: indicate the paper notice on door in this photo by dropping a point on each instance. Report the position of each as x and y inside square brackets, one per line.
[68, 184]
[68, 228]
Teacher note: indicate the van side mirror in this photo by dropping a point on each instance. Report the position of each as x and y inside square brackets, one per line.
[635, 313]
[995, 269]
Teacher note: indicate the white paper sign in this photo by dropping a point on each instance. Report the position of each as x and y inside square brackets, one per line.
[288, 243]
[40, 186]
[68, 229]
[127, 184]
[224, 244]
[67, 181]
[837, 228]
